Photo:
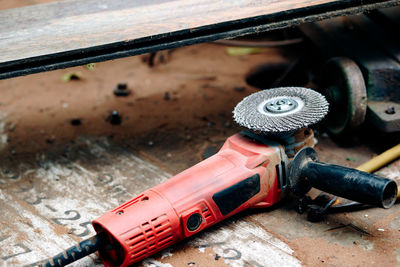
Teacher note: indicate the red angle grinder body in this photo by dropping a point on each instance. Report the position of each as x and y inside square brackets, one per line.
[249, 171]
[243, 174]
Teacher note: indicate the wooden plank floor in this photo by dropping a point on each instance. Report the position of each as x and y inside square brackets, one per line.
[56, 177]
[75, 32]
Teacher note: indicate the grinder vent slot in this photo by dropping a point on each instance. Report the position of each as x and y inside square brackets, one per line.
[207, 215]
[150, 236]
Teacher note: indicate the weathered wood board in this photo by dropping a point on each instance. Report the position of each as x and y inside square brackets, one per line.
[75, 32]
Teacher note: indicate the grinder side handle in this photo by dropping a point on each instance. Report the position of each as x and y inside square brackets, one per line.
[306, 172]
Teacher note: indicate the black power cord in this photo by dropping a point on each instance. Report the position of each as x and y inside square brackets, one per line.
[84, 248]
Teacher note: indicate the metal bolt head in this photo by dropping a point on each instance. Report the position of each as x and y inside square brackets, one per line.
[167, 96]
[121, 90]
[115, 118]
[122, 86]
[390, 110]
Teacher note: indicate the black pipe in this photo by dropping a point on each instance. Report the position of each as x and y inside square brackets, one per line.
[306, 172]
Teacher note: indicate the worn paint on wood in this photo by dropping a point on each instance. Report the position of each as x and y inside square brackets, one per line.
[48, 204]
[240, 243]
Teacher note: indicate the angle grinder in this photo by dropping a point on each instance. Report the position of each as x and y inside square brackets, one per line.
[253, 169]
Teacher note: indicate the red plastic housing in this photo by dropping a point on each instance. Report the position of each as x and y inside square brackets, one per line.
[243, 174]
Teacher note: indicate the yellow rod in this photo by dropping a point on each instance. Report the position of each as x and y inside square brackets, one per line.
[382, 160]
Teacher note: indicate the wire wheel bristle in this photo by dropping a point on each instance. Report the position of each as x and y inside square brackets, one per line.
[247, 113]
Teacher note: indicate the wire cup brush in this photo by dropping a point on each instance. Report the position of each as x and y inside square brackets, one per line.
[280, 111]
[283, 114]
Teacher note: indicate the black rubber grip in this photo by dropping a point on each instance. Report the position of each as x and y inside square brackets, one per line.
[351, 183]
[232, 197]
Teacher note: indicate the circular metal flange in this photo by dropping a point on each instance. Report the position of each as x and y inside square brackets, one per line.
[344, 87]
[280, 110]
[280, 105]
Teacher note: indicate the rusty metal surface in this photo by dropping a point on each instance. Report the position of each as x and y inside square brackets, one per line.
[70, 33]
[344, 86]
[354, 37]
[385, 114]
[372, 43]
[346, 36]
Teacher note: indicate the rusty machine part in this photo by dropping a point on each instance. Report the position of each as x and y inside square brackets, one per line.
[344, 87]
[360, 48]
